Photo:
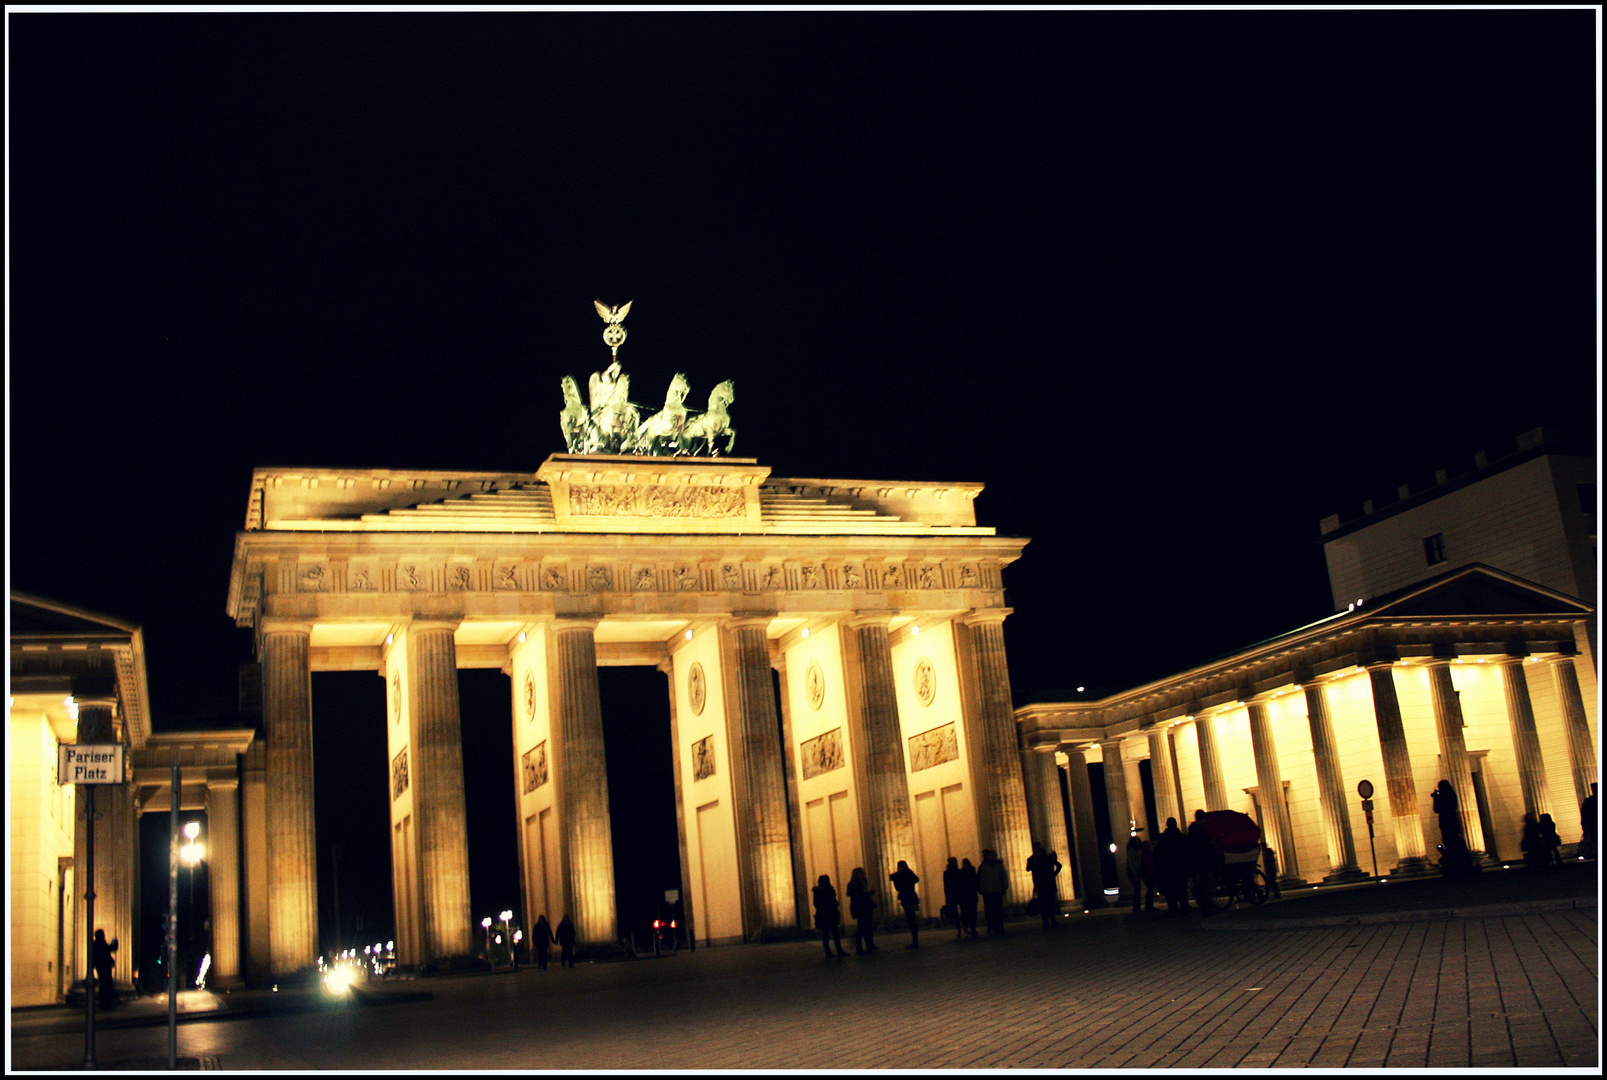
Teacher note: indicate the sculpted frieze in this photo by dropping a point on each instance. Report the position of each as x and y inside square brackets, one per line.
[928, 577]
[730, 576]
[968, 579]
[600, 578]
[644, 579]
[653, 501]
[508, 577]
[852, 579]
[552, 578]
[533, 764]
[361, 579]
[933, 747]
[703, 758]
[459, 579]
[893, 577]
[313, 578]
[399, 774]
[822, 754]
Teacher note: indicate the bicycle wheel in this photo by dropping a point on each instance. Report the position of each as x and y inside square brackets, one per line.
[1255, 888]
[1217, 891]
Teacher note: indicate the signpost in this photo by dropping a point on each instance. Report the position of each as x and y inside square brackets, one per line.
[89, 764]
[1365, 790]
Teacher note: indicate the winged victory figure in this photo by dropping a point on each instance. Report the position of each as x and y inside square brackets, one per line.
[613, 315]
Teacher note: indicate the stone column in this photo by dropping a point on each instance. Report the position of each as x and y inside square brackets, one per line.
[1167, 804]
[1453, 750]
[1042, 777]
[1269, 781]
[990, 730]
[1330, 787]
[254, 841]
[688, 916]
[1581, 752]
[802, 905]
[439, 811]
[581, 772]
[764, 842]
[292, 851]
[223, 878]
[1120, 810]
[876, 744]
[1525, 739]
[1398, 781]
[1216, 796]
[1085, 836]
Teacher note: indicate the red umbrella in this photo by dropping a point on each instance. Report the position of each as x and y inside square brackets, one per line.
[1232, 831]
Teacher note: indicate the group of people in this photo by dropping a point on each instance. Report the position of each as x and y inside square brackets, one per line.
[543, 938]
[963, 886]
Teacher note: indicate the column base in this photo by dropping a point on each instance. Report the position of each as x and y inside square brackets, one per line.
[1291, 881]
[1413, 867]
[1346, 873]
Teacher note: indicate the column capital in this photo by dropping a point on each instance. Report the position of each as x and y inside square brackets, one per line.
[270, 626]
[1561, 658]
[563, 624]
[868, 618]
[978, 616]
[1509, 659]
[1380, 664]
[761, 621]
[420, 625]
[96, 701]
[229, 784]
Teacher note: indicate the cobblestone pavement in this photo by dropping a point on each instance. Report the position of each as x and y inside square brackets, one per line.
[1107, 991]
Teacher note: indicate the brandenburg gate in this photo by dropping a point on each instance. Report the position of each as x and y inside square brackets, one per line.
[880, 604]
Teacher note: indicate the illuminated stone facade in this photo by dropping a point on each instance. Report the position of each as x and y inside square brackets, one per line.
[1476, 676]
[880, 603]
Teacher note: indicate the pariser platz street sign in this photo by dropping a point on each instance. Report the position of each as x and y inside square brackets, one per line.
[89, 763]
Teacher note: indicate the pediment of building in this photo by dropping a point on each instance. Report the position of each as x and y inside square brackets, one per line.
[1475, 590]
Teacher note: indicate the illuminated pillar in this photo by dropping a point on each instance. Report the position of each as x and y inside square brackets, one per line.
[1216, 797]
[254, 797]
[1403, 812]
[1581, 753]
[991, 735]
[223, 880]
[1120, 810]
[1525, 739]
[1330, 787]
[439, 810]
[1091, 873]
[876, 745]
[1453, 750]
[801, 902]
[581, 773]
[688, 915]
[764, 843]
[292, 852]
[1269, 781]
[1161, 770]
[1042, 780]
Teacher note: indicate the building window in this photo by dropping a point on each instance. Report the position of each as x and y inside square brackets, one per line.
[1587, 498]
[1434, 549]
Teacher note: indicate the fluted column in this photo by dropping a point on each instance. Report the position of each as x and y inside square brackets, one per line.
[1408, 824]
[223, 879]
[1085, 836]
[439, 809]
[1525, 739]
[581, 772]
[789, 763]
[1330, 787]
[689, 916]
[1216, 796]
[1453, 750]
[764, 847]
[1042, 782]
[990, 728]
[876, 742]
[292, 851]
[1167, 803]
[1120, 810]
[1581, 751]
[1269, 780]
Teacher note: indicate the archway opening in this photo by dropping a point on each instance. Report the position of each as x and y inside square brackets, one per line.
[641, 794]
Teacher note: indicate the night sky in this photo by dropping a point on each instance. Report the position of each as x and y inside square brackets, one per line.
[1173, 285]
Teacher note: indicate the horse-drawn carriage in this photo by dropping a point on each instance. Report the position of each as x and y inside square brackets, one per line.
[1236, 841]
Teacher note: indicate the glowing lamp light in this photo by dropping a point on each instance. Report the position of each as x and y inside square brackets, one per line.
[1080, 689]
[192, 829]
[485, 923]
[390, 639]
[72, 709]
[915, 631]
[806, 631]
[1113, 849]
[337, 980]
[506, 915]
[521, 637]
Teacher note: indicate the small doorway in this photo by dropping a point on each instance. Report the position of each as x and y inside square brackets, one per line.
[1481, 797]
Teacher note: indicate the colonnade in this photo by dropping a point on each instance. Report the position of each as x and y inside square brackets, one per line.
[1157, 740]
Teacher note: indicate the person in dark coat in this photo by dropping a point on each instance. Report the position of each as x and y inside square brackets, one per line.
[566, 942]
[1044, 868]
[1587, 825]
[828, 916]
[1454, 857]
[968, 896]
[951, 895]
[862, 906]
[1550, 842]
[1202, 862]
[904, 882]
[102, 962]
[1530, 844]
[1171, 868]
[993, 881]
[541, 940]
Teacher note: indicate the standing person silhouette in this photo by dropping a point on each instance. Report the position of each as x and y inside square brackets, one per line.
[540, 940]
[1202, 861]
[862, 906]
[952, 888]
[904, 882]
[1171, 869]
[102, 962]
[1550, 842]
[566, 942]
[828, 916]
[993, 880]
[1587, 825]
[1454, 858]
[968, 896]
[1044, 868]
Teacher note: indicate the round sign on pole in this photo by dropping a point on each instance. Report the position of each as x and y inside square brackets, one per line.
[1365, 789]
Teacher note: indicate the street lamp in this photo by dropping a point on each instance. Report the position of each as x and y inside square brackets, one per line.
[486, 923]
[190, 854]
[507, 935]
